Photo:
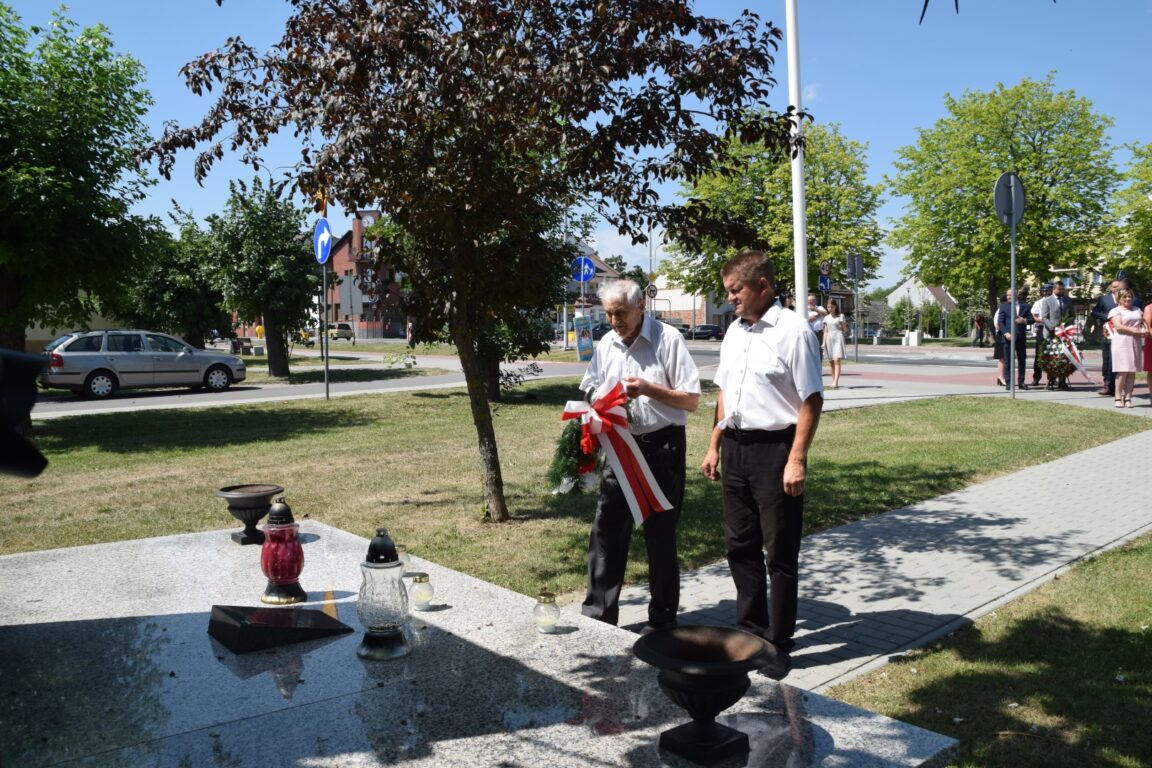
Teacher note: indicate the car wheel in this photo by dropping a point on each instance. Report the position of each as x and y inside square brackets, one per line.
[100, 384]
[217, 379]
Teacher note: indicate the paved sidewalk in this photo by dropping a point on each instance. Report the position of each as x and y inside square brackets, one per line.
[900, 580]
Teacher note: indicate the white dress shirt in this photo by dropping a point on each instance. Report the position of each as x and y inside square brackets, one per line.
[658, 354]
[767, 370]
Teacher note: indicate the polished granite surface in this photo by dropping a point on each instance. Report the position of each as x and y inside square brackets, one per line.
[105, 660]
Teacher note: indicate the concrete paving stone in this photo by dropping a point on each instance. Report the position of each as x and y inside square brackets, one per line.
[913, 572]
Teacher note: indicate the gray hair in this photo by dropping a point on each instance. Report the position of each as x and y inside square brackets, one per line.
[626, 291]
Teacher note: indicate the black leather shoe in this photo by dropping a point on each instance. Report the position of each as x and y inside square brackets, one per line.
[1021, 385]
[779, 665]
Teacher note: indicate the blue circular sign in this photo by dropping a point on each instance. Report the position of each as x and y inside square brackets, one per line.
[322, 241]
[583, 269]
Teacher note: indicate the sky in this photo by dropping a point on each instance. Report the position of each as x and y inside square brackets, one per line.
[864, 64]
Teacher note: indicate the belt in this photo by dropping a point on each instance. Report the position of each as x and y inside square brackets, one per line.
[750, 436]
[657, 434]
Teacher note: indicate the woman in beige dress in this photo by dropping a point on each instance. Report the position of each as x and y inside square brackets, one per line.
[833, 342]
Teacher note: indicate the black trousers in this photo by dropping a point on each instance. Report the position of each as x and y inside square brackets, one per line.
[761, 519]
[1021, 355]
[1041, 341]
[1106, 367]
[611, 535]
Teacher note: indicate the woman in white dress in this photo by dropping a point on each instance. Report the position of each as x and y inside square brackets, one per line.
[833, 342]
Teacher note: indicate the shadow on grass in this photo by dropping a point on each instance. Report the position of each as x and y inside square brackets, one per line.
[1067, 678]
[841, 492]
[145, 431]
[339, 375]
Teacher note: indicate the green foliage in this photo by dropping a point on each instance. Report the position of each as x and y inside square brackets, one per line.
[567, 458]
[263, 266]
[1052, 140]
[634, 273]
[902, 315]
[1133, 247]
[71, 123]
[475, 126]
[174, 286]
[841, 208]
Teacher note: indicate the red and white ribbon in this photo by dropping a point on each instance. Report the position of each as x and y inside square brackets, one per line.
[606, 420]
[1067, 336]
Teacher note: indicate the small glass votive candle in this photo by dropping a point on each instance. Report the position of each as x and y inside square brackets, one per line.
[546, 614]
[421, 592]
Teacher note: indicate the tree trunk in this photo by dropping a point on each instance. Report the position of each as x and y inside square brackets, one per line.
[491, 369]
[474, 375]
[12, 338]
[12, 335]
[277, 350]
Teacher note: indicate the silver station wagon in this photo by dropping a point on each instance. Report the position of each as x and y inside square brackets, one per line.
[97, 363]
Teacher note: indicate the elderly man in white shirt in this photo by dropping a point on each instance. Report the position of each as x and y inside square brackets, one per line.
[651, 360]
[767, 412]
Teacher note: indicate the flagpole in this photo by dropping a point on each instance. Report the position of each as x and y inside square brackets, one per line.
[799, 206]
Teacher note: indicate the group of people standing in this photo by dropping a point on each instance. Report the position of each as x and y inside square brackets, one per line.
[1118, 310]
[767, 410]
[1127, 350]
[1011, 323]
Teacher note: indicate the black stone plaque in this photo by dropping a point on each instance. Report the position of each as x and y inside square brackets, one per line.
[242, 630]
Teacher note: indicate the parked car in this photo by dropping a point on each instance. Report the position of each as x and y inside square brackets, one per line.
[97, 363]
[706, 331]
[600, 330]
[341, 331]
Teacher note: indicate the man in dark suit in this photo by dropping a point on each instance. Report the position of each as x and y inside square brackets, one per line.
[1054, 311]
[1013, 319]
[1105, 304]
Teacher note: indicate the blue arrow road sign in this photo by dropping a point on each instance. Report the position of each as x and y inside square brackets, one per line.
[825, 283]
[583, 269]
[322, 241]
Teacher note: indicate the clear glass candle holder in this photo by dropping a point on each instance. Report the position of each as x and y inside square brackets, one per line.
[421, 592]
[546, 614]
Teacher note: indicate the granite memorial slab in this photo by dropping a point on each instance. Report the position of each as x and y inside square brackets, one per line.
[127, 675]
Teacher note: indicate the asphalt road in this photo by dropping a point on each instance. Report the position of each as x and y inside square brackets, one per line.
[705, 353]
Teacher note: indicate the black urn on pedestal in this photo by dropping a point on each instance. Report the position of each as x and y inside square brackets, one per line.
[248, 504]
[704, 670]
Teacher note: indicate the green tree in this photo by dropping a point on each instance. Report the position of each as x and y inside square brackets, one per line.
[175, 286]
[1133, 206]
[878, 294]
[1052, 140]
[262, 263]
[902, 316]
[635, 273]
[754, 209]
[472, 125]
[71, 123]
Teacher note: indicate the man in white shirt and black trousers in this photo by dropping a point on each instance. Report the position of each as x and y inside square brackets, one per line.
[652, 362]
[767, 411]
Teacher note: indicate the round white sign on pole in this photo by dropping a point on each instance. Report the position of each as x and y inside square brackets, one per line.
[651, 290]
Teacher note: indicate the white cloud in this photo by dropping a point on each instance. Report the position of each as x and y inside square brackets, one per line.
[810, 93]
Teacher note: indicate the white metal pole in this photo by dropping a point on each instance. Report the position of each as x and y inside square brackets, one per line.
[799, 208]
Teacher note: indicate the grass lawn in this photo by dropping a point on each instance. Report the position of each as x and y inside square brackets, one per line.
[409, 461]
[1061, 677]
